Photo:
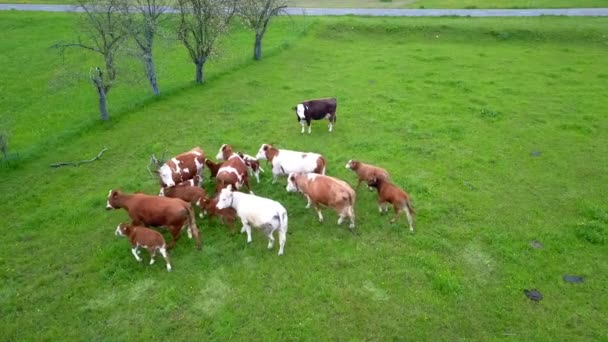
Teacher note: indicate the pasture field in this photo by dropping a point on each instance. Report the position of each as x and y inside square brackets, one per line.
[406, 3]
[496, 127]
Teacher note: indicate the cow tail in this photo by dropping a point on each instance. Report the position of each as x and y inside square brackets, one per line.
[321, 168]
[410, 207]
[192, 226]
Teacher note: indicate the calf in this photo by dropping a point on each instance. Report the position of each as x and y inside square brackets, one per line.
[226, 215]
[389, 193]
[182, 167]
[327, 191]
[316, 110]
[213, 167]
[233, 171]
[156, 211]
[190, 194]
[144, 237]
[253, 165]
[197, 181]
[366, 172]
[285, 162]
[257, 211]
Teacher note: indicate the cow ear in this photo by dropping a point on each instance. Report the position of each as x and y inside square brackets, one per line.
[265, 148]
[294, 108]
[114, 193]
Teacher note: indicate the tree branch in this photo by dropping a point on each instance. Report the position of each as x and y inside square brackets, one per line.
[81, 161]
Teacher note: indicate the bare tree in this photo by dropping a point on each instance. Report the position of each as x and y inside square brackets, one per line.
[257, 15]
[141, 19]
[104, 36]
[201, 23]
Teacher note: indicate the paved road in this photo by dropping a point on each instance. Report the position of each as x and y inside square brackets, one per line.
[572, 12]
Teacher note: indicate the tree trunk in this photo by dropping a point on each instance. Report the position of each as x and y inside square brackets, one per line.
[103, 110]
[151, 72]
[257, 48]
[199, 72]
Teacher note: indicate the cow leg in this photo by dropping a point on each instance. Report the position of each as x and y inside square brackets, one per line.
[302, 123]
[381, 207]
[247, 229]
[314, 205]
[175, 235]
[410, 219]
[246, 181]
[134, 251]
[152, 255]
[282, 239]
[270, 239]
[359, 183]
[351, 216]
[331, 123]
[231, 225]
[396, 208]
[308, 199]
[163, 252]
[257, 175]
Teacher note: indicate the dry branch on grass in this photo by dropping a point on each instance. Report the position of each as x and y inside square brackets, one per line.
[81, 161]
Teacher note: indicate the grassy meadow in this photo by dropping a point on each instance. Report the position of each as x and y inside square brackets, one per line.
[496, 128]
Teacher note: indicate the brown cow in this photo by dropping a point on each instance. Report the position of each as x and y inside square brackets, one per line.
[147, 238]
[196, 181]
[213, 167]
[226, 215]
[233, 171]
[156, 211]
[182, 167]
[327, 191]
[390, 193]
[190, 194]
[366, 172]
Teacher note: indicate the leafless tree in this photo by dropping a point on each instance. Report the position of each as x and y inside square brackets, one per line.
[141, 19]
[257, 15]
[201, 23]
[103, 36]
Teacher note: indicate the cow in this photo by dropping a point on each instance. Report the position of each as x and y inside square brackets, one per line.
[366, 172]
[257, 211]
[316, 110]
[197, 181]
[182, 167]
[157, 211]
[147, 238]
[233, 170]
[253, 165]
[390, 193]
[213, 167]
[327, 191]
[285, 162]
[226, 215]
[190, 194]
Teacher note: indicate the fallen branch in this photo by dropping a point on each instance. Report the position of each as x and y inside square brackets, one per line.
[82, 161]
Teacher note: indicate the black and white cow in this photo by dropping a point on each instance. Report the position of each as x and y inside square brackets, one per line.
[316, 110]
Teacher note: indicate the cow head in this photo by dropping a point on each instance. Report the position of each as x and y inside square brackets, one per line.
[299, 112]
[166, 176]
[225, 198]
[352, 164]
[224, 153]
[123, 229]
[262, 152]
[292, 185]
[112, 202]
[373, 182]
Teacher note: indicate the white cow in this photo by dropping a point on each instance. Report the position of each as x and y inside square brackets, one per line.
[285, 162]
[257, 211]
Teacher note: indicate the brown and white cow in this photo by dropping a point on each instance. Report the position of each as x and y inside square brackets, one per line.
[147, 238]
[316, 110]
[366, 172]
[390, 193]
[226, 215]
[285, 162]
[327, 191]
[190, 194]
[157, 211]
[252, 164]
[182, 167]
[233, 171]
[197, 181]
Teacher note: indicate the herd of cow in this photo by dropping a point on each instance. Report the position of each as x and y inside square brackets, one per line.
[181, 193]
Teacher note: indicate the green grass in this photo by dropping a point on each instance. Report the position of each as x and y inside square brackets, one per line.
[453, 108]
[407, 3]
